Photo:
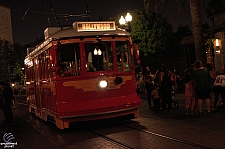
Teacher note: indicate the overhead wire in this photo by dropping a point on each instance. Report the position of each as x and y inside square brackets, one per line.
[31, 18]
[56, 16]
[54, 13]
[27, 10]
[48, 13]
[46, 9]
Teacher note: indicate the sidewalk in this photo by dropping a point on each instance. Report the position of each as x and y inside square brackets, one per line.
[180, 97]
[214, 122]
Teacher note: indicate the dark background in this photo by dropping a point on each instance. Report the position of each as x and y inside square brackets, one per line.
[30, 25]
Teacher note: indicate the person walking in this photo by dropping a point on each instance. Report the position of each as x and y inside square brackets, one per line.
[140, 82]
[156, 97]
[149, 86]
[165, 88]
[156, 77]
[6, 100]
[219, 89]
[213, 73]
[213, 77]
[202, 82]
[190, 96]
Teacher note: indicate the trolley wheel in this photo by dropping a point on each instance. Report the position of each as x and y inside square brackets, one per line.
[176, 104]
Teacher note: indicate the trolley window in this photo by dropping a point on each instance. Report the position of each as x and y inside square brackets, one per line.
[99, 56]
[69, 59]
[123, 55]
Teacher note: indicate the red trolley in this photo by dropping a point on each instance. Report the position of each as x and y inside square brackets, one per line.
[80, 73]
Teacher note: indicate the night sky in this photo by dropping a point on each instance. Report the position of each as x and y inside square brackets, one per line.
[27, 27]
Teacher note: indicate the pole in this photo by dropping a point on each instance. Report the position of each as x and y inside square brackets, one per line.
[54, 14]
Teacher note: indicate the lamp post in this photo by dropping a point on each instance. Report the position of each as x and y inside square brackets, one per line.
[219, 56]
[126, 21]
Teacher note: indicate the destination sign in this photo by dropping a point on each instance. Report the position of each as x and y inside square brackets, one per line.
[95, 26]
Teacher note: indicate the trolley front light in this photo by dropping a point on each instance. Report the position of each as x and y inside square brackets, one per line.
[103, 84]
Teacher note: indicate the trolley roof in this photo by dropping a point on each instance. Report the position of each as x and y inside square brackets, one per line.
[78, 30]
[85, 29]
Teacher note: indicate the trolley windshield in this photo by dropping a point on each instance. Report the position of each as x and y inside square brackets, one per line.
[101, 56]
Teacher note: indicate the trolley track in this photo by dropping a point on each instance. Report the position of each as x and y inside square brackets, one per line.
[169, 138]
[111, 133]
[111, 140]
[125, 145]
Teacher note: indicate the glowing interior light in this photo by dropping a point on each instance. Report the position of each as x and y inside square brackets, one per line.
[103, 84]
[217, 51]
[95, 52]
[99, 52]
[217, 43]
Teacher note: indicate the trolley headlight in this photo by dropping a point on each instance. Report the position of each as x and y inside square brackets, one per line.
[103, 84]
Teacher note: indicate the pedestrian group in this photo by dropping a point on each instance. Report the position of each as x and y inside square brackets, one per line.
[199, 84]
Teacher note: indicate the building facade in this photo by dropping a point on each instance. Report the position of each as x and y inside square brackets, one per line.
[5, 24]
[219, 42]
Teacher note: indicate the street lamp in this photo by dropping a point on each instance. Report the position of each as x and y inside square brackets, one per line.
[126, 21]
[122, 20]
[217, 46]
[128, 17]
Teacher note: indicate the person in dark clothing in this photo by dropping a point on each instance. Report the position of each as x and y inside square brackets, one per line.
[6, 99]
[156, 97]
[149, 86]
[165, 88]
[203, 86]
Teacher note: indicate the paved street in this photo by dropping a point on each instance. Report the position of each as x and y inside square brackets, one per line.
[151, 130]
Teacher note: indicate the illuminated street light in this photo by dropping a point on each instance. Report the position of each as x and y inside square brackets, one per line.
[128, 17]
[126, 21]
[217, 43]
[122, 20]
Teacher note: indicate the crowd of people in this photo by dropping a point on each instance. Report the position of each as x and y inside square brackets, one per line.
[159, 86]
[200, 84]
